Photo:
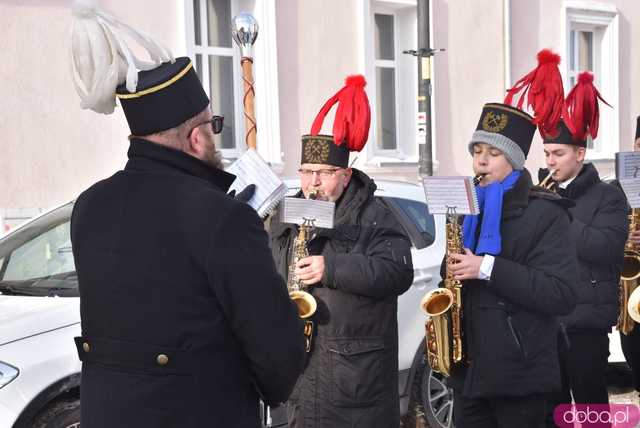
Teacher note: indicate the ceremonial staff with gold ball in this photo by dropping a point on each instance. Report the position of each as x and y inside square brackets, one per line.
[245, 32]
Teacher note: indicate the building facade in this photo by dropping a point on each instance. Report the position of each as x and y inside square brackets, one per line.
[51, 149]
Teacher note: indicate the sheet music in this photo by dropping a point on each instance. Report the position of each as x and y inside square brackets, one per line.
[296, 210]
[445, 193]
[627, 165]
[631, 188]
[250, 168]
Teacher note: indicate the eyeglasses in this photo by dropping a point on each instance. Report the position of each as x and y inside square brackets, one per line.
[322, 173]
[216, 125]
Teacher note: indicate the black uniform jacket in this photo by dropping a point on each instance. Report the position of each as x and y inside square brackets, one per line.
[598, 231]
[510, 325]
[352, 376]
[184, 317]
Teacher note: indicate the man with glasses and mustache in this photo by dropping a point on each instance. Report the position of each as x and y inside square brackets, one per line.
[185, 320]
[355, 271]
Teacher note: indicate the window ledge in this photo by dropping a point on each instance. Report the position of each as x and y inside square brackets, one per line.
[592, 6]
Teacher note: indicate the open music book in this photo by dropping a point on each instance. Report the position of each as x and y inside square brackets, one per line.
[628, 174]
[250, 168]
[451, 195]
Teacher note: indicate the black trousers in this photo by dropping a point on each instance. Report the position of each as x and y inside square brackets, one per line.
[583, 364]
[499, 412]
[631, 349]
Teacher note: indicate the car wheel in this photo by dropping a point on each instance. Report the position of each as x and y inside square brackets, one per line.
[59, 414]
[437, 400]
[431, 402]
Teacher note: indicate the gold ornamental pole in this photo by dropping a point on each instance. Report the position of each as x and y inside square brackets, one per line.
[245, 32]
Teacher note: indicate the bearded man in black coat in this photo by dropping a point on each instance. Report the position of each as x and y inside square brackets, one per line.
[185, 320]
[356, 272]
[598, 232]
[516, 274]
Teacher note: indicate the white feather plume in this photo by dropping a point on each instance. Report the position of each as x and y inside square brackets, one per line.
[101, 58]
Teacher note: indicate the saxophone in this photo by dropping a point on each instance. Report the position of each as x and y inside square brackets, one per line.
[549, 183]
[629, 277]
[304, 301]
[444, 307]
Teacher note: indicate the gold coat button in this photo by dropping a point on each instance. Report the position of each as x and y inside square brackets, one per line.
[162, 359]
[86, 347]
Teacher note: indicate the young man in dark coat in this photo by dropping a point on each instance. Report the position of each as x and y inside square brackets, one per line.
[517, 274]
[598, 231]
[631, 342]
[185, 321]
[356, 272]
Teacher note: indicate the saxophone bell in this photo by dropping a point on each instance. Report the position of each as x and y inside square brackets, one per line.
[437, 302]
[305, 302]
[633, 305]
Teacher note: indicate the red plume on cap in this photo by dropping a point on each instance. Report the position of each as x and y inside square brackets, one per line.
[544, 92]
[353, 115]
[583, 111]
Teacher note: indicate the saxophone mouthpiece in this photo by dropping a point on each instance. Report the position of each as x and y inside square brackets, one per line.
[313, 194]
[478, 178]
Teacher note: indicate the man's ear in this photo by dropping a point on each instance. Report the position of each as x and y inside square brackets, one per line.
[582, 152]
[347, 175]
[195, 142]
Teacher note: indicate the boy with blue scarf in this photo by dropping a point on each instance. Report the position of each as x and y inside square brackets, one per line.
[517, 272]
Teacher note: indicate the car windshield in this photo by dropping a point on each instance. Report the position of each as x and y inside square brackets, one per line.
[37, 258]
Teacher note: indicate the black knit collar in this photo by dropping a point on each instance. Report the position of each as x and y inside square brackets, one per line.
[147, 156]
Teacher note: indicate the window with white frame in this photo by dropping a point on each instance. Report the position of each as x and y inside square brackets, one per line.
[392, 81]
[592, 45]
[211, 46]
[386, 129]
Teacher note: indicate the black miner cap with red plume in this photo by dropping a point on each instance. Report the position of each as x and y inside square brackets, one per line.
[582, 114]
[350, 126]
[544, 92]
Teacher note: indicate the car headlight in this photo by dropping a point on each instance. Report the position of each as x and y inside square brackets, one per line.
[7, 373]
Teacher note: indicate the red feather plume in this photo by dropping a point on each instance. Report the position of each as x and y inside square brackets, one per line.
[583, 111]
[353, 115]
[544, 92]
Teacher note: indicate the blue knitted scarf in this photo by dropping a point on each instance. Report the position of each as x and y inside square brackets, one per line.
[490, 201]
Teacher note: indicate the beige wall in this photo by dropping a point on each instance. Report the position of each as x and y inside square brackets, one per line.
[467, 75]
[50, 149]
[316, 51]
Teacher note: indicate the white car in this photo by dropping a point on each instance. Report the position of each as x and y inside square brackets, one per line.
[39, 316]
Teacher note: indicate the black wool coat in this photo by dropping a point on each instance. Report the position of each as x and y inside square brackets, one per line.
[598, 231]
[184, 317]
[510, 325]
[351, 379]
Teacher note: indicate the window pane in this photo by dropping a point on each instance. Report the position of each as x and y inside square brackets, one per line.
[199, 66]
[45, 255]
[386, 111]
[384, 36]
[219, 22]
[572, 50]
[585, 44]
[196, 22]
[221, 95]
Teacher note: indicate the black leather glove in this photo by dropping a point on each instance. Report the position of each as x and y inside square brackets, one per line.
[245, 194]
